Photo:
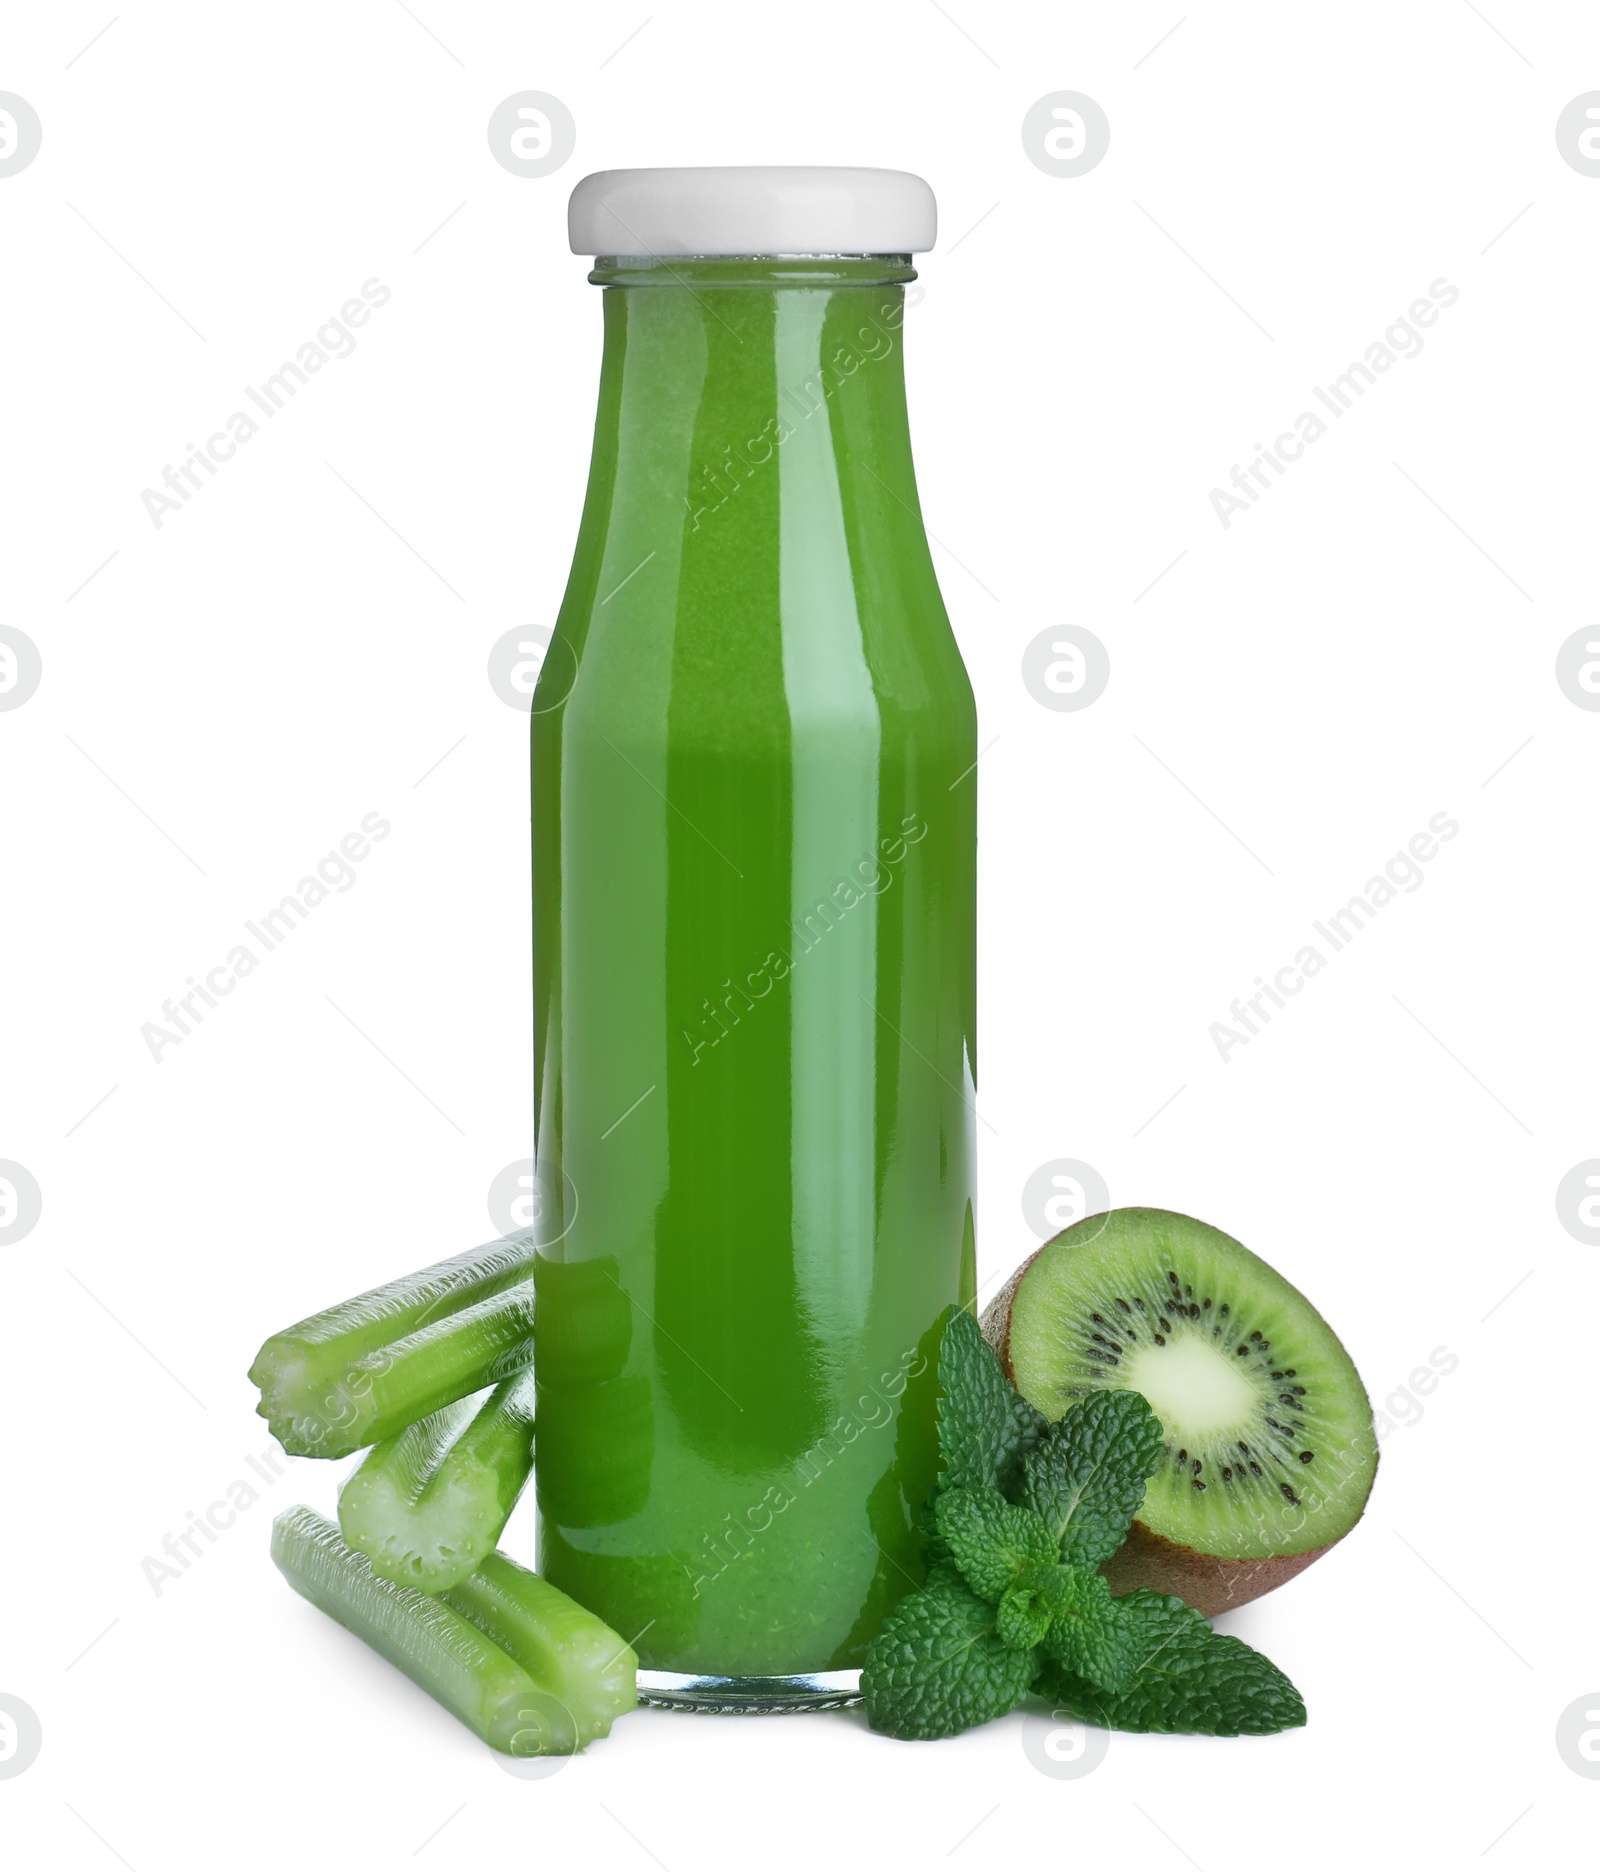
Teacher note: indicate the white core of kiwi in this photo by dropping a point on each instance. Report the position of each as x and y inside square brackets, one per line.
[1189, 1382]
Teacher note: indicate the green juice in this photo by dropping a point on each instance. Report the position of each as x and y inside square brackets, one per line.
[754, 806]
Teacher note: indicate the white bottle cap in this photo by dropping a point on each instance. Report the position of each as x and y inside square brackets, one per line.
[751, 211]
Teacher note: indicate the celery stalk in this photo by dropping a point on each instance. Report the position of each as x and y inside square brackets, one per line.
[568, 1651]
[426, 1506]
[397, 1383]
[437, 1648]
[305, 1371]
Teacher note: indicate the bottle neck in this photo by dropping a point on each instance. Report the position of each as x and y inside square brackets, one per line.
[715, 368]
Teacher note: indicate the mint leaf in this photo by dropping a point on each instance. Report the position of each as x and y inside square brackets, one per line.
[939, 1666]
[1023, 1616]
[1086, 1480]
[985, 1425]
[1189, 1680]
[1031, 1425]
[935, 1551]
[1088, 1634]
[991, 1541]
[1069, 1614]
[942, 1574]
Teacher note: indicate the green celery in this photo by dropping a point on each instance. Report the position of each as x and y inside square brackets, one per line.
[567, 1650]
[426, 1506]
[446, 1654]
[309, 1374]
[391, 1387]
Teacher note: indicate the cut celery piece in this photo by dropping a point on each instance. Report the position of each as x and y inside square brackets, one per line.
[577, 1657]
[396, 1384]
[426, 1506]
[305, 1371]
[446, 1654]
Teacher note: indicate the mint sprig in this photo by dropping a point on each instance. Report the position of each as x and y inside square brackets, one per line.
[1024, 1515]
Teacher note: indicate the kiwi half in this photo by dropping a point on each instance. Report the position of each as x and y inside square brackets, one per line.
[1270, 1449]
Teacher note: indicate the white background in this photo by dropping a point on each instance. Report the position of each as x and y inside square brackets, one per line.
[1372, 643]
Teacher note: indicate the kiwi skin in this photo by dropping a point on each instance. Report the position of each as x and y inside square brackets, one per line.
[1208, 1584]
[1211, 1585]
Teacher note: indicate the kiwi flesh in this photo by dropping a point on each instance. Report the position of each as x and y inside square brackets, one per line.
[1270, 1448]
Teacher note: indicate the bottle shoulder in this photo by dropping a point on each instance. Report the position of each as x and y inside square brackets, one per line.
[739, 672]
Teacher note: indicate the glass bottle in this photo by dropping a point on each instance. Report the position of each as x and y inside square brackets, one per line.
[754, 807]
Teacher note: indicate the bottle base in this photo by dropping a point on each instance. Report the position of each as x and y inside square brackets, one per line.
[709, 1695]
